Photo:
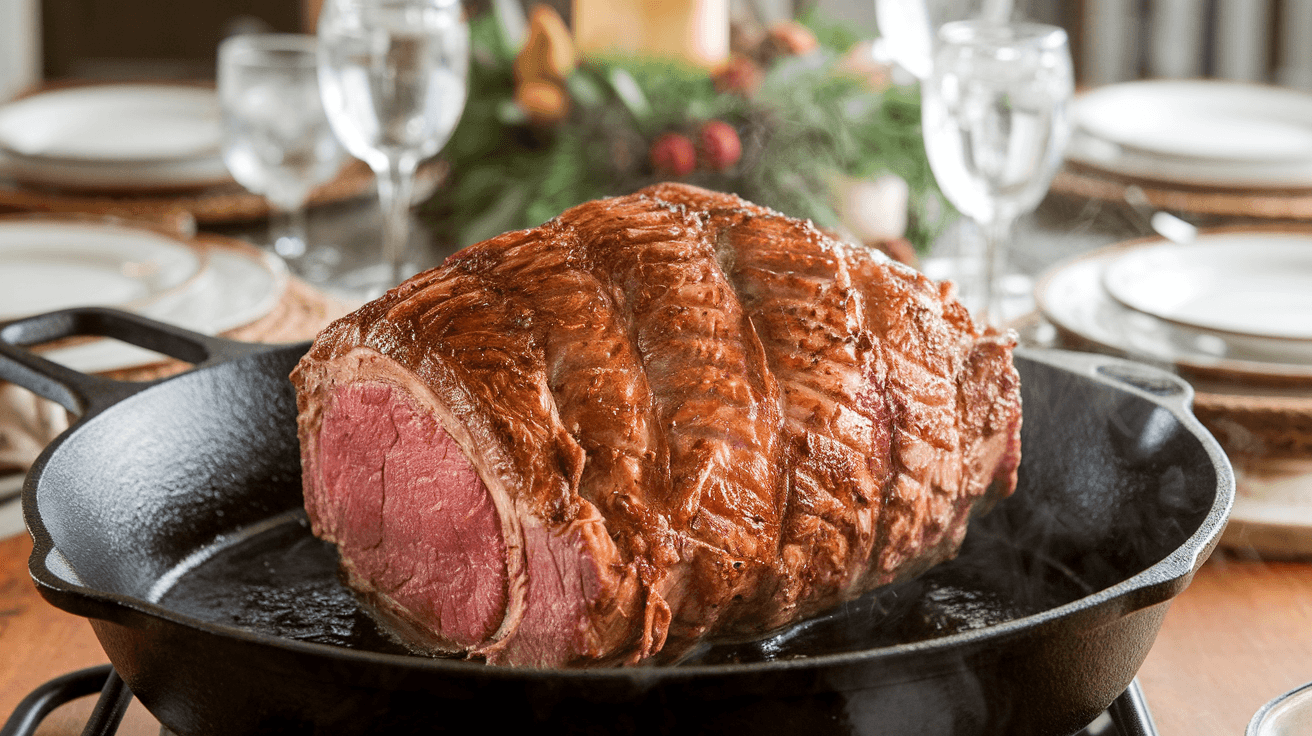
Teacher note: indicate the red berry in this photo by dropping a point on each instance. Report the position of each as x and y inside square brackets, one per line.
[739, 75]
[673, 154]
[721, 147]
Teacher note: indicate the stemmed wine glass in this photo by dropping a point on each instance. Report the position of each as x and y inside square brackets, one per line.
[276, 139]
[393, 78]
[995, 118]
[908, 28]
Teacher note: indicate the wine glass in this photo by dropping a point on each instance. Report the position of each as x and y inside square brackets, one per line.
[393, 78]
[907, 34]
[996, 121]
[908, 28]
[276, 138]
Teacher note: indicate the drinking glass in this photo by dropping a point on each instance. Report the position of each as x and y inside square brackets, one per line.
[393, 78]
[995, 118]
[908, 28]
[276, 142]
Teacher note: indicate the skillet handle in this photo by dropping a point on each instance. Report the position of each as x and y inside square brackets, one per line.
[1170, 576]
[86, 394]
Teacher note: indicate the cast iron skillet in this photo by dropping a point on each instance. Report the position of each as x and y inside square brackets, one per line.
[170, 516]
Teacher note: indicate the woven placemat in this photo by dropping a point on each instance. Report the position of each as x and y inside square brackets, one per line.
[1088, 183]
[1257, 426]
[1250, 421]
[218, 204]
[185, 210]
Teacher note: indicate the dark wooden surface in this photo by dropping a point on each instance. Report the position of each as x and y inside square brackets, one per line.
[150, 39]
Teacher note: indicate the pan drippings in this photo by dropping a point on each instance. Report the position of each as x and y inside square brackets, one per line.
[992, 581]
[280, 581]
[283, 582]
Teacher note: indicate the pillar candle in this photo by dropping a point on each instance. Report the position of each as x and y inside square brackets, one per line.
[696, 31]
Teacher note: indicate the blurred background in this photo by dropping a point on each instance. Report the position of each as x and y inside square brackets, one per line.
[1111, 40]
[591, 129]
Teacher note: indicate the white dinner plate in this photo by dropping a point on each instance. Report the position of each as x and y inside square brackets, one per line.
[1197, 132]
[1245, 283]
[114, 122]
[1071, 296]
[50, 265]
[119, 136]
[1206, 119]
[239, 285]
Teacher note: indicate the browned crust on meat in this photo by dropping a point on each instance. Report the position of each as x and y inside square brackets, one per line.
[765, 421]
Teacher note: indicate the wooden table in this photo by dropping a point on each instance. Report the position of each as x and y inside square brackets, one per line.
[1237, 637]
[39, 642]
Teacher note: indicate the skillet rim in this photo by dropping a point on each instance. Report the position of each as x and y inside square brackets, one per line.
[1156, 584]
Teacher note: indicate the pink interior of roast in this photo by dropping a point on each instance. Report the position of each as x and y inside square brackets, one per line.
[416, 519]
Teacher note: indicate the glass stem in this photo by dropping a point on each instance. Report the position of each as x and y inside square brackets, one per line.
[997, 234]
[288, 232]
[395, 189]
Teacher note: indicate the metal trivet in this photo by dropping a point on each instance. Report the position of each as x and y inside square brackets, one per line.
[1128, 715]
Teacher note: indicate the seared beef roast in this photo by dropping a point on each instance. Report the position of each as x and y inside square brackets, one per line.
[656, 418]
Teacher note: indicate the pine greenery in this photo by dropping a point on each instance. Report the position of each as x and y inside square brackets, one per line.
[807, 123]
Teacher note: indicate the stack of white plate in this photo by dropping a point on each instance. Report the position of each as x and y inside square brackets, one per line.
[49, 264]
[115, 137]
[1205, 133]
[1234, 304]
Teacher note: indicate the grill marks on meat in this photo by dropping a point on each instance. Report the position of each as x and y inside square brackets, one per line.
[599, 394]
[486, 323]
[928, 339]
[810, 319]
[678, 415]
[712, 392]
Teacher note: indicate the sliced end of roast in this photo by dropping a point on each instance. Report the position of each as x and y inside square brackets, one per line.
[415, 524]
[428, 536]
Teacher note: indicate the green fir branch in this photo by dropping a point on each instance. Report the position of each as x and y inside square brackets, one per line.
[807, 124]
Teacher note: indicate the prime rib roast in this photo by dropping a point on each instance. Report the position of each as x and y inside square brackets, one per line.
[656, 419]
